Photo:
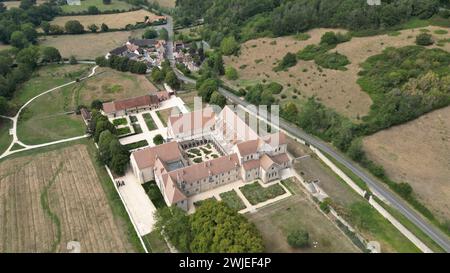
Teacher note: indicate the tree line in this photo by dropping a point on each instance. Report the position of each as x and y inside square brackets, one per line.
[247, 19]
[214, 227]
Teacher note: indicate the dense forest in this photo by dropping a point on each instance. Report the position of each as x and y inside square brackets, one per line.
[246, 19]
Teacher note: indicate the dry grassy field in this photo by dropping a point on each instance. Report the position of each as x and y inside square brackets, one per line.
[112, 20]
[110, 84]
[418, 153]
[3, 46]
[89, 46]
[52, 198]
[276, 221]
[335, 89]
[16, 4]
[164, 3]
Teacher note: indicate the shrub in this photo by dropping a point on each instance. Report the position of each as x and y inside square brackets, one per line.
[231, 73]
[298, 238]
[424, 39]
[288, 60]
[158, 139]
[332, 61]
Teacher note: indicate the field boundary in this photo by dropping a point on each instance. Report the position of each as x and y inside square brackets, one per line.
[125, 205]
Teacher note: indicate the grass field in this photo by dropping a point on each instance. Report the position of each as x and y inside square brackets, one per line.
[49, 118]
[232, 200]
[56, 195]
[117, 21]
[115, 5]
[154, 194]
[418, 153]
[188, 98]
[91, 46]
[164, 3]
[155, 243]
[5, 138]
[16, 4]
[354, 208]
[166, 113]
[277, 220]
[109, 84]
[3, 46]
[335, 89]
[46, 78]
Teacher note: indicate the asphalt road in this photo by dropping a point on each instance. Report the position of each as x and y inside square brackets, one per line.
[433, 232]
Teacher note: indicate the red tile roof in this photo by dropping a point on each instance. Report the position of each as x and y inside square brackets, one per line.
[192, 121]
[119, 105]
[167, 152]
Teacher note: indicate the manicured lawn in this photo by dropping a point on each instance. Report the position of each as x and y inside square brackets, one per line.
[149, 121]
[50, 118]
[136, 145]
[5, 138]
[255, 193]
[232, 200]
[154, 194]
[120, 121]
[115, 5]
[155, 243]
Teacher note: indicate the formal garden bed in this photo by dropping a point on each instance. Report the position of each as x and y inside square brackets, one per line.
[153, 192]
[232, 199]
[202, 153]
[136, 145]
[255, 193]
[149, 121]
[120, 121]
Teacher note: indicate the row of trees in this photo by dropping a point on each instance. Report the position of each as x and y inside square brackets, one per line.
[110, 151]
[122, 64]
[165, 74]
[246, 19]
[17, 66]
[213, 228]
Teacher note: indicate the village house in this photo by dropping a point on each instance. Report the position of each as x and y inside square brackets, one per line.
[132, 105]
[150, 51]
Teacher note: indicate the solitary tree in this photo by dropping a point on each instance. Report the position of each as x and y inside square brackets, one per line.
[50, 54]
[424, 39]
[104, 27]
[74, 27]
[158, 139]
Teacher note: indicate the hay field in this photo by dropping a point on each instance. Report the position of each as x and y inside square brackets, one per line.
[89, 46]
[418, 153]
[119, 20]
[335, 89]
[52, 198]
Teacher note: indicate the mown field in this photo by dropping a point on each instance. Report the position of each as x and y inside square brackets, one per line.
[110, 84]
[115, 5]
[89, 46]
[276, 221]
[112, 20]
[49, 199]
[334, 88]
[418, 153]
